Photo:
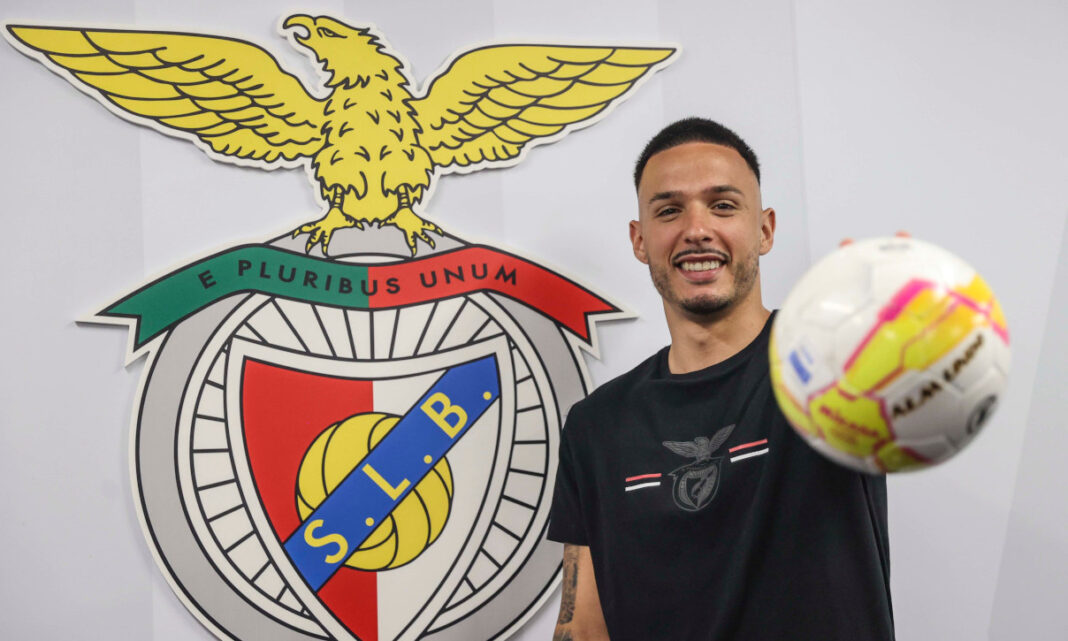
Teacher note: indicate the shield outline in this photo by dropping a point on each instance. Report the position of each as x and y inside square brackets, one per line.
[373, 370]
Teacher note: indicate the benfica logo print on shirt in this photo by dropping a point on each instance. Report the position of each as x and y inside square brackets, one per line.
[696, 484]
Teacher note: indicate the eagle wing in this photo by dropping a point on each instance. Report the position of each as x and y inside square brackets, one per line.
[227, 95]
[683, 448]
[492, 102]
[719, 437]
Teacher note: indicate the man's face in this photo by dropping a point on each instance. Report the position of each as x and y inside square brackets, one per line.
[701, 228]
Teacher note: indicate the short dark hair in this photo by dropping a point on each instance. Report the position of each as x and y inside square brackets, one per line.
[695, 130]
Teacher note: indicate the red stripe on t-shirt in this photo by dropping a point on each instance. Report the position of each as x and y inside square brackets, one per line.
[747, 445]
[642, 476]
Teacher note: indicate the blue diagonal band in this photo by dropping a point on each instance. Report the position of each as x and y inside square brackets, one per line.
[335, 530]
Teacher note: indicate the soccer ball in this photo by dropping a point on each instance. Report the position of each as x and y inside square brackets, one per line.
[889, 355]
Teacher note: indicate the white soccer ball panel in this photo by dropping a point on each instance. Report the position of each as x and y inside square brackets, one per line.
[828, 308]
[972, 360]
[804, 362]
[901, 260]
[851, 335]
[923, 405]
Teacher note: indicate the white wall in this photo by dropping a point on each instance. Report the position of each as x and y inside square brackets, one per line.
[943, 118]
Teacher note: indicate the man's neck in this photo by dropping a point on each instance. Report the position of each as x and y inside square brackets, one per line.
[700, 342]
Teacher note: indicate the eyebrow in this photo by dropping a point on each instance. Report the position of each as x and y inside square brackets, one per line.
[715, 189]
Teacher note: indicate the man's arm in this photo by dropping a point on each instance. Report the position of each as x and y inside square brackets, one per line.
[581, 618]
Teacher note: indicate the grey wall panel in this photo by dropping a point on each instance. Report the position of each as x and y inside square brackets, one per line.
[1033, 580]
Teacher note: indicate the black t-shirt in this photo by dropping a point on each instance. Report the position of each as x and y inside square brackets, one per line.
[709, 519]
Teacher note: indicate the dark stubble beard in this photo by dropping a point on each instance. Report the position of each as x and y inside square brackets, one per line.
[745, 275]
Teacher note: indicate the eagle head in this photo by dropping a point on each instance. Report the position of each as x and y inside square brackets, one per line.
[350, 55]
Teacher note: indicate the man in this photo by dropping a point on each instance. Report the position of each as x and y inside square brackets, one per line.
[688, 507]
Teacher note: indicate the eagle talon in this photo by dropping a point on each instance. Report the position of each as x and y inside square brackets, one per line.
[323, 229]
[413, 227]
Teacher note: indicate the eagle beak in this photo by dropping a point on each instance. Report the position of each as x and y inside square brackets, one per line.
[303, 25]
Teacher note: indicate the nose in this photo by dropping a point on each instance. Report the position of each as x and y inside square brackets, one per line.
[698, 225]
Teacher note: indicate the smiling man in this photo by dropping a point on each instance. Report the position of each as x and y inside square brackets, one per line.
[688, 508]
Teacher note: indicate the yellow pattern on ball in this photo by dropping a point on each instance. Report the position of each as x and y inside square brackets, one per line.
[415, 522]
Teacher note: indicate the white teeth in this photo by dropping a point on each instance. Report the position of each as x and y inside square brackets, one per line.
[701, 267]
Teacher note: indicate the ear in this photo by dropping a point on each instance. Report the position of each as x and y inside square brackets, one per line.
[637, 241]
[767, 230]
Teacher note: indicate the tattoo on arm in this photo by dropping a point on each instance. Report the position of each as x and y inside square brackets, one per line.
[567, 599]
[562, 635]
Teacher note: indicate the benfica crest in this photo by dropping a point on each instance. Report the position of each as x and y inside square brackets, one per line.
[350, 432]
[696, 483]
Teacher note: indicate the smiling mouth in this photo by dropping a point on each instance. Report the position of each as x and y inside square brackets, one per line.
[703, 266]
[700, 265]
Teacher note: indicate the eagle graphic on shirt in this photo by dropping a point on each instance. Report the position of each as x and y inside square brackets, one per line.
[695, 484]
[372, 143]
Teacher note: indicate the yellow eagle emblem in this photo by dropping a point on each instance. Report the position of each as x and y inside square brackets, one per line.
[373, 146]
